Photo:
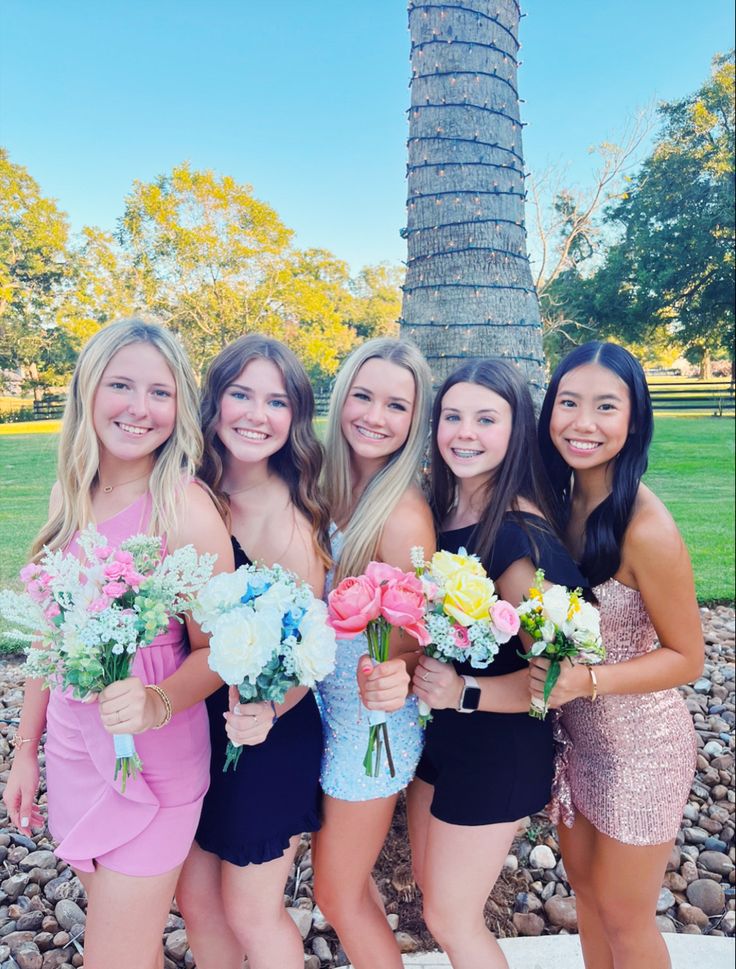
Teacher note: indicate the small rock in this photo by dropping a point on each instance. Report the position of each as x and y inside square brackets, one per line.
[665, 924]
[562, 912]
[706, 895]
[28, 956]
[319, 922]
[542, 857]
[321, 949]
[303, 920]
[716, 861]
[702, 685]
[393, 921]
[38, 859]
[665, 901]
[175, 944]
[692, 915]
[68, 914]
[528, 924]
[511, 863]
[406, 942]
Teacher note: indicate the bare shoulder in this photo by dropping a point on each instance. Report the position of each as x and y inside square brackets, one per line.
[200, 524]
[652, 534]
[410, 524]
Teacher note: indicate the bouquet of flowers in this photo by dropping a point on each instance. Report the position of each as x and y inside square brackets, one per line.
[88, 615]
[563, 626]
[373, 603]
[268, 633]
[465, 618]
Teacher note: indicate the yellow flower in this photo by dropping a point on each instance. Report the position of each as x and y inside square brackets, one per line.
[468, 596]
[445, 564]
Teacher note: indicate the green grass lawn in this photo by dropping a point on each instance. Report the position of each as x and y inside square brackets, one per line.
[692, 470]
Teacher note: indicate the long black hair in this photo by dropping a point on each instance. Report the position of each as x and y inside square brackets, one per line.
[520, 474]
[606, 524]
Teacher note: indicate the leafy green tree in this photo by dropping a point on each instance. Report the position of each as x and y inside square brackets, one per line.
[673, 266]
[377, 300]
[34, 270]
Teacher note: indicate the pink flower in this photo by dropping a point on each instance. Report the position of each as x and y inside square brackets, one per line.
[379, 573]
[115, 589]
[133, 578]
[352, 605]
[402, 604]
[98, 605]
[29, 572]
[51, 611]
[36, 591]
[125, 558]
[460, 635]
[103, 552]
[114, 570]
[505, 618]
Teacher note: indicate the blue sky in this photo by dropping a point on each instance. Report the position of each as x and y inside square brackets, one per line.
[306, 100]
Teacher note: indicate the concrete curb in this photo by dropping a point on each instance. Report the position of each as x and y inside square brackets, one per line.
[563, 952]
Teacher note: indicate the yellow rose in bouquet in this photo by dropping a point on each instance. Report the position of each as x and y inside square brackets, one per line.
[446, 564]
[468, 596]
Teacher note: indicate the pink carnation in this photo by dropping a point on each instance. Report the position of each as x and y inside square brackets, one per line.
[51, 611]
[36, 591]
[103, 552]
[133, 578]
[504, 618]
[98, 605]
[114, 570]
[125, 558]
[115, 589]
[352, 605]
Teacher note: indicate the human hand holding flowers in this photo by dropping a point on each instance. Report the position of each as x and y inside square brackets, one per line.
[384, 686]
[437, 684]
[126, 706]
[247, 724]
[573, 681]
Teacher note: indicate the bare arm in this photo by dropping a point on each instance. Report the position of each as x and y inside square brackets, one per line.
[657, 563]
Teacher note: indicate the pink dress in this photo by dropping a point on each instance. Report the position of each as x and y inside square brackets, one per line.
[625, 762]
[149, 829]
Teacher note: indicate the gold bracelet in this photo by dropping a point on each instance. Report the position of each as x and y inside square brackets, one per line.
[164, 697]
[594, 681]
[18, 741]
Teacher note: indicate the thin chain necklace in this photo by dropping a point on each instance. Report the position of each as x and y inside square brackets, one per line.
[108, 488]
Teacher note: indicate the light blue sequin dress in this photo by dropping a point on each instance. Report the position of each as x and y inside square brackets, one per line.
[345, 723]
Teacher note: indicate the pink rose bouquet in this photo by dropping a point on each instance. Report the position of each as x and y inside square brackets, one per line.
[374, 603]
[465, 619]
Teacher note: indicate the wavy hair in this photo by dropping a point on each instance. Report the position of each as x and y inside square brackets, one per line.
[79, 455]
[607, 523]
[519, 475]
[299, 462]
[366, 521]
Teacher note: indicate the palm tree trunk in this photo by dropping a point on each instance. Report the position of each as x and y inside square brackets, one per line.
[468, 290]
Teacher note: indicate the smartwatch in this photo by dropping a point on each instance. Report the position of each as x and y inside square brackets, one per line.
[470, 696]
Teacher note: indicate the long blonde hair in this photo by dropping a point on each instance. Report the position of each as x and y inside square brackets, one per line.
[366, 521]
[78, 462]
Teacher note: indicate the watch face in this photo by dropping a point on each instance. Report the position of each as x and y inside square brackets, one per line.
[471, 697]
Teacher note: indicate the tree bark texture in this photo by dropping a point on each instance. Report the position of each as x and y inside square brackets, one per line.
[468, 291]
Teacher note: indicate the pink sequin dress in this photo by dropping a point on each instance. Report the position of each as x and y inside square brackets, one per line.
[625, 762]
[149, 829]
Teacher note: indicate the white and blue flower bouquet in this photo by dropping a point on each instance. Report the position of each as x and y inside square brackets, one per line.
[268, 633]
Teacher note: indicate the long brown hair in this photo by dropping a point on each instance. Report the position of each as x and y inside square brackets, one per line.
[299, 462]
[520, 474]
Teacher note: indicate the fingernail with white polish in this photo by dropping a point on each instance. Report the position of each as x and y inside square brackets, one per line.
[24, 822]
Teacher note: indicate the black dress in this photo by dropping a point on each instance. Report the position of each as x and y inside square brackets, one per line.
[490, 768]
[250, 813]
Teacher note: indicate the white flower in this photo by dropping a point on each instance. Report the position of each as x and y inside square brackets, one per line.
[588, 619]
[223, 591]
[314, 655]
[416, 555]
[556, 604]
[548, 631]
[278, 596]
[242, 642]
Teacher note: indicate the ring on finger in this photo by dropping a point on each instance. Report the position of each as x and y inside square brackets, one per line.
[425, 676]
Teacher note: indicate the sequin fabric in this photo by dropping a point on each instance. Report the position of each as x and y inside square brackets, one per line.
[625, 762]
[345, 726]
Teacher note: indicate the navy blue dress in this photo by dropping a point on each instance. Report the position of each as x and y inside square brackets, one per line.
[250, 813]
[491, 768]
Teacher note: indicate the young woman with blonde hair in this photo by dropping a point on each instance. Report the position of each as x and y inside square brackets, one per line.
[129, 447]
[376, 435]
[262, 461]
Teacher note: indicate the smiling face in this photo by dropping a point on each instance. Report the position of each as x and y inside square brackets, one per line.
[134, 408]
[473, 431]
[255, 412]
[589, 423]
[377, 413]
